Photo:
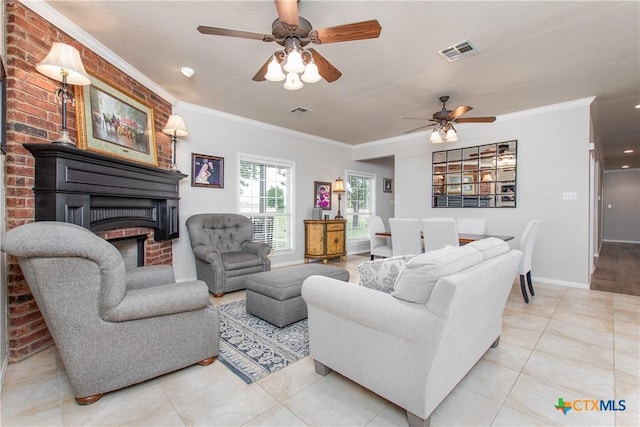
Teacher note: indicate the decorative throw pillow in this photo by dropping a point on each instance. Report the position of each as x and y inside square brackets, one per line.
[419, 276]
[490, 247]
[380, 274]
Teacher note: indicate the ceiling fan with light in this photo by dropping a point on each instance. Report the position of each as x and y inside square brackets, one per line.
[293, 33]
[444, 120]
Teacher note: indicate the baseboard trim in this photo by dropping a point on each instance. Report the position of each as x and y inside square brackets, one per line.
[564, 283]
[620, 241]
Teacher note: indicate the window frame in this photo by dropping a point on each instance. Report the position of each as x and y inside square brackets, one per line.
[290, 196]
[372, 201]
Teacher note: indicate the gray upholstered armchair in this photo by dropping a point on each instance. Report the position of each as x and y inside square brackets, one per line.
[225, 251]
[112, 327]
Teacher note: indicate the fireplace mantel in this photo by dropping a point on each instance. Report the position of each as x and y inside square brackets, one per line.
[102, 193]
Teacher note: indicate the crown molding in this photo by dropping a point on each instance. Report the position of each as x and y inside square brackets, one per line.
[258, 124]
[64, 24]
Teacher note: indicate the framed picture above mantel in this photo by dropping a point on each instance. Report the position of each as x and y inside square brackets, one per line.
[113, 122]
[482, 176]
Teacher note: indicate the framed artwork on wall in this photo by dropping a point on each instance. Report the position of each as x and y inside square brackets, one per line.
[112, 122]
[207, 171]
[387, 185]
[322, 195]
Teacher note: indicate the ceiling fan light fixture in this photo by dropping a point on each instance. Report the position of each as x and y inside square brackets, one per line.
[452, 135]
[274, 71]
[311, 74]
[435, 137]
[294, 62]
[293, 82]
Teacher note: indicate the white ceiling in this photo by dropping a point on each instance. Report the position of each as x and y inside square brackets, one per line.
[531, 54]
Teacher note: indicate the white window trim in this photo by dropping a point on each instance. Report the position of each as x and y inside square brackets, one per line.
[275, 161]
[374, 181]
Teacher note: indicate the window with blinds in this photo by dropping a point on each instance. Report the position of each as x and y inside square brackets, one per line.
[266, 196]
[359, 204]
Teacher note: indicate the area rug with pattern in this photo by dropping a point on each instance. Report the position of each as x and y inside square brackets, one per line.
[254, 348]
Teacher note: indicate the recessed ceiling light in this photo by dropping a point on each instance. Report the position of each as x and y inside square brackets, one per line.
[627, 151]
[187, 71]
[625, 167]
[638, 106]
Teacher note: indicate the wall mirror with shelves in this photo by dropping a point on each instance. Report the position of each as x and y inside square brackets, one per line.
[483, 176]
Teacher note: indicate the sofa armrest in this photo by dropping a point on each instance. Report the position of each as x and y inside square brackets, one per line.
[149, 276]
[158, 301]
[257, 248]
[208, 254]
[371, 308]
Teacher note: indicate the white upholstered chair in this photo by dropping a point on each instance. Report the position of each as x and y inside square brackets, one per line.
[527, 242]
[439, 232]
[471, 225]
[405, 236]
[379, 244]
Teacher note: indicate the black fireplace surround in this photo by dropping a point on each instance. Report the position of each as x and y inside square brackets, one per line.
[103, 193]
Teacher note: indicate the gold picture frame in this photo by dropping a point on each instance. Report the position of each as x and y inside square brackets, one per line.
[110, 121]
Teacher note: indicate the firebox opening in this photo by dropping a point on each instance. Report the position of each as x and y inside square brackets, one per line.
[131, 248]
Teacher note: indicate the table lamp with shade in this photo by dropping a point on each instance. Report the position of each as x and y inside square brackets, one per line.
[63, 64]
[175, 127]
[338, 187]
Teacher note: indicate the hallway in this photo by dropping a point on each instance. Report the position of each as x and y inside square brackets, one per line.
[618, 268]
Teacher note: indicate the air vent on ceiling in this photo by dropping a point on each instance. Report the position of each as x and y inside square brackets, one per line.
[301, 110]
[455, 52]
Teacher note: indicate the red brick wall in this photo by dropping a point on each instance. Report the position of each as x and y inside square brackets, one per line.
[34, 116]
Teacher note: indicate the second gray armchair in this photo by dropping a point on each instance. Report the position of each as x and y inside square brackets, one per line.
[225, 251]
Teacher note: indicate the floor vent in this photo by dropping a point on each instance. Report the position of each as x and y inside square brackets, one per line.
[301, 110]
[455, 52]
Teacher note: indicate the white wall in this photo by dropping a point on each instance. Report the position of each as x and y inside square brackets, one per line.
[219, 134]
[553, 157]
[621, 206]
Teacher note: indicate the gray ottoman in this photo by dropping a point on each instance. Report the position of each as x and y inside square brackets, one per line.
[275, 295]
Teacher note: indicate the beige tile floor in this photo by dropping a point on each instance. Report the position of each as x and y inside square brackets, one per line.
[569, 343]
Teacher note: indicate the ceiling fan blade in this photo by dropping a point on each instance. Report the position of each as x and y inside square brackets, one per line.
[475, 120]
[288, 12]
[349, 32]
[420, 128]
[217, 31]
[259, 77]
[325, 69]
[458, 112]
[418, 118]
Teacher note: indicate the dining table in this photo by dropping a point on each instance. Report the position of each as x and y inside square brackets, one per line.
[462, 238]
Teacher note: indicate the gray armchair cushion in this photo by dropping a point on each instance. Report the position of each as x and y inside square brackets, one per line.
[112, 327]
[224, 250]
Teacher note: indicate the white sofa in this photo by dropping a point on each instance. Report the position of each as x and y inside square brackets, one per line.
[413, 353]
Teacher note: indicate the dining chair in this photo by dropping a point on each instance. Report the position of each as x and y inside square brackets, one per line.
[379, 244]
[471, 225]
[527, 242]
[439, 232]
[405, 236]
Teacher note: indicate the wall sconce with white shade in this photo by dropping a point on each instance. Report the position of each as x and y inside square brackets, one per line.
[63, 64]
[175, 127]
[338, 187]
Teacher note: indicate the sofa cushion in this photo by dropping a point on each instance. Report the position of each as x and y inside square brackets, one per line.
[490, 247]
[419, 276]
[380, 274]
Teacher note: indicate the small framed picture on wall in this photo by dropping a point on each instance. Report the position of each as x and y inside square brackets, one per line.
[387, 185]
[207, 171]
[322, 195]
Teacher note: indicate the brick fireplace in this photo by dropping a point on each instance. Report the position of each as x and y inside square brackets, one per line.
[33, 116]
